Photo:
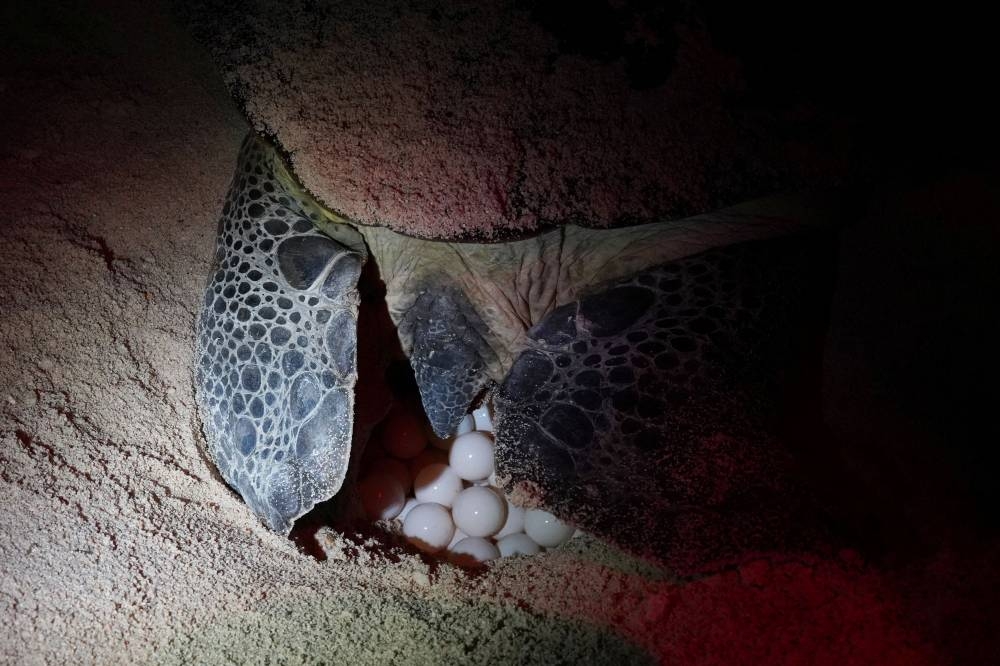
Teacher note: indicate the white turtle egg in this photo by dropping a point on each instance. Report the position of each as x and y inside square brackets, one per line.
[471, 456]
[514, 523]
[458, 536]
[467, 424]
[428, 527]
[473, 552]
[410, 503]
[437, 483]
[381, 496]
[403, 433]
[545, 529]
[482, 419]
[394, 468]
[517, 544]
[425, 458]
[479, 511]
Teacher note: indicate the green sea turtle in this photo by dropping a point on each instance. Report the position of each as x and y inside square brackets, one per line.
[630, 351]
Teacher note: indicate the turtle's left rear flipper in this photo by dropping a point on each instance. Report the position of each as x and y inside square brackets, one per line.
[277, 344]
[648, 412]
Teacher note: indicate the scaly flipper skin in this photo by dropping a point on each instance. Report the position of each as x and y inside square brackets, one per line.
[641, 411]
[448, 352]
[277, 344]
[463, 310]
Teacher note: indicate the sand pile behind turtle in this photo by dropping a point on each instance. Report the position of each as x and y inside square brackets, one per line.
[485, 120]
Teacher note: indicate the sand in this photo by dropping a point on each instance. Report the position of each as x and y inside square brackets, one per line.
[485, 120]
[120, 544]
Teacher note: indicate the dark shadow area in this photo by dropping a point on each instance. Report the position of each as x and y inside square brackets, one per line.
[910, 362]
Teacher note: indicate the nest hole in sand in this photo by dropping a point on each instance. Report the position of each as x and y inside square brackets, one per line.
[397, 464]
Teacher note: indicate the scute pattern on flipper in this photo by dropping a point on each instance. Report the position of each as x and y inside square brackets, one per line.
[275, 391]
[448, 352]
[641, 410]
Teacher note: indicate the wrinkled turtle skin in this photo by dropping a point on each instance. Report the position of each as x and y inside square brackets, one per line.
[633, 318]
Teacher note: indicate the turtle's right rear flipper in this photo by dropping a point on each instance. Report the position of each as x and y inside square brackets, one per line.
[648, 412]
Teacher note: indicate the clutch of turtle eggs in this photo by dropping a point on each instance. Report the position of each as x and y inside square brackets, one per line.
[444, 497]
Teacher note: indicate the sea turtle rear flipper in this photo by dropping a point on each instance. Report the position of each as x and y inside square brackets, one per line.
[277, 344]
[643, 412]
